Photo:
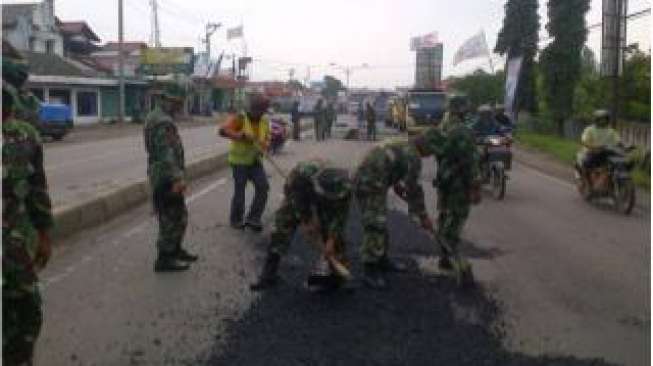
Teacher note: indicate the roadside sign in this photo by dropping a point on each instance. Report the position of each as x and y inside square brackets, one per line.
[167, 60]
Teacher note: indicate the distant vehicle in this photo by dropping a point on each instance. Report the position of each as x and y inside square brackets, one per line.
[397, 109]
[352, 107]
[55, 120]
[425, 108]
[307, 104]
[380, 106]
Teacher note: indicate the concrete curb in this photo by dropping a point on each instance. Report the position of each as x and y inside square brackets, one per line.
[82, 215]
[78, 216]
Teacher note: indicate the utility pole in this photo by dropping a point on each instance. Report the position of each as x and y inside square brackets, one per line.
[156, 35]
[620, 14]
[210, 29]
[121, 64]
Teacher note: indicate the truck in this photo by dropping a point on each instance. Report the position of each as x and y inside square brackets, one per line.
[424, 108]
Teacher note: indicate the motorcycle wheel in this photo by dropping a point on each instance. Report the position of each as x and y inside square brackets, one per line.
[624, 196]
[498, 183]
[582, 186]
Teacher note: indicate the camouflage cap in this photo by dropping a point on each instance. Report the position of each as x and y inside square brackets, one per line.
[429, 140]
[332, 183]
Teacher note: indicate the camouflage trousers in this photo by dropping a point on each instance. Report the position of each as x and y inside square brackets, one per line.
[286, 222]
[453, 210]
[173, 219]
[372, 206]
[21, 300]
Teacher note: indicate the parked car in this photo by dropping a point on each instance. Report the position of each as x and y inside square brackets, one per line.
[55, 120]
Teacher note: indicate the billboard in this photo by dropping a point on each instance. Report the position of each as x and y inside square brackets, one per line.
[425, 41]
[167, 60]
[428, 67]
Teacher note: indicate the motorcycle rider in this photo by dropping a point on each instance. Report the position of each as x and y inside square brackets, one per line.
[501, 117]
[485, 124]
[596, 138]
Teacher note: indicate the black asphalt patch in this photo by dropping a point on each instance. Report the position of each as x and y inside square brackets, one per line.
[419, 320]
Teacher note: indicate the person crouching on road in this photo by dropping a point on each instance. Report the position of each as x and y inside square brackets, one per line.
[396, 164]
[317, 198]
[458, 187]
[249, 132]
[166, 173]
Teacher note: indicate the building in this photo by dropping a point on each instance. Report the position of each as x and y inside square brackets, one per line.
[428, 67]
[106, 57]
[32, 27]
[61, 69]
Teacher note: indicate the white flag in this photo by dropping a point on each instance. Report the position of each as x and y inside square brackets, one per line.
[472, 48]
[235, 32]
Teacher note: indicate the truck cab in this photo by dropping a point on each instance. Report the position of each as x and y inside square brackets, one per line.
[55, 120]
[424, 108]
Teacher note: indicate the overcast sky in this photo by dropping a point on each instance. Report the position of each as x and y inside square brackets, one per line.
[284, 34]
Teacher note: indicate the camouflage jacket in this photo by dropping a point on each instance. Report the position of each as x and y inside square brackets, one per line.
[165, 152]
[300, 192]
[389, 164]
[457, 159]
[449, 122]
[26, 206]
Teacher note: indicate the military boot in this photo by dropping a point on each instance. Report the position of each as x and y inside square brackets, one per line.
[373, 276]
[269, 277]
[185, 256]
[166, 263]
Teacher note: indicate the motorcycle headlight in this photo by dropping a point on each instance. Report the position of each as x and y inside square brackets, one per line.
[495, 140]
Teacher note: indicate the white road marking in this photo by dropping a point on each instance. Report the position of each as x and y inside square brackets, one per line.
[133, 231]
[211, 187]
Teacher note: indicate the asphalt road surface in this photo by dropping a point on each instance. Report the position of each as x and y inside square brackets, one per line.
[559, 282]
[86, 164]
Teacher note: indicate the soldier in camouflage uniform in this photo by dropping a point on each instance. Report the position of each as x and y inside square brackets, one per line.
[398, 165]
[165, 171]
[457, 112]
[26, 220]
[457, 185]
[317, 198]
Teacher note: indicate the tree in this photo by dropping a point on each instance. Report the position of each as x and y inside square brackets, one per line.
[561, 59]
[635, 86]
[480, 86]
[331, 87]
[519, 36]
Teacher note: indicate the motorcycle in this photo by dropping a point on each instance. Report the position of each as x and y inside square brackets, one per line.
[278, 134]
[611, 179]
[496, 160]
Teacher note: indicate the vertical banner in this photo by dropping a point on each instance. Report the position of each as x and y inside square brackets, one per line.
[513, 69]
